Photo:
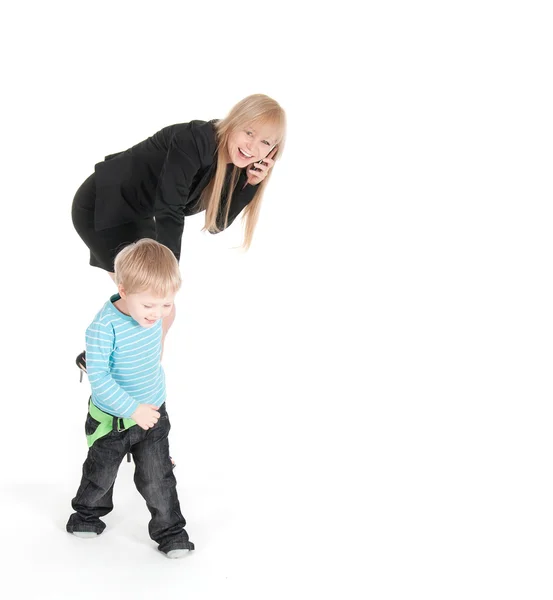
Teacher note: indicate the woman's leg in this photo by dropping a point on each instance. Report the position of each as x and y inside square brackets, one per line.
[166, 325]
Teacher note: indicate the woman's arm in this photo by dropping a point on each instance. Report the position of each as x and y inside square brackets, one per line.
[182, 163]
[241, 197]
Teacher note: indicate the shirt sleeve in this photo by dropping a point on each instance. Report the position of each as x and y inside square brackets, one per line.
[181, 165]
[107, 394]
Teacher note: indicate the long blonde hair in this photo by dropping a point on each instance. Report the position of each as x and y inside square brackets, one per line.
[257, 109]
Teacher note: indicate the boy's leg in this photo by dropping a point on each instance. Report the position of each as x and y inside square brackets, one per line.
[156, 482]
[94, 497]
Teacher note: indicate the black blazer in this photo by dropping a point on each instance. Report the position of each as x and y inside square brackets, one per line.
[163, 177]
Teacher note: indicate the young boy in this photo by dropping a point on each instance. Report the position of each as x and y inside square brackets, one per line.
[127, 407]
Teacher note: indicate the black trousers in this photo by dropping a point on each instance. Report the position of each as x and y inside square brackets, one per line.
[105, 244]
[154, 479]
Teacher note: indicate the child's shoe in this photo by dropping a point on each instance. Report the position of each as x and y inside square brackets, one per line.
[179, 552]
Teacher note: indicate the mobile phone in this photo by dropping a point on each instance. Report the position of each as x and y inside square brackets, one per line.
[260, 161]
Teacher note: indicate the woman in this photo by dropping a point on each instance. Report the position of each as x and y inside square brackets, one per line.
[220, 166]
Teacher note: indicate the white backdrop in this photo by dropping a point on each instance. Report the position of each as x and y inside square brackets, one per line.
[361, 403]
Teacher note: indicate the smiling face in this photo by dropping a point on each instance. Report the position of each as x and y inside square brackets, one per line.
[250, 144]
[145, 307]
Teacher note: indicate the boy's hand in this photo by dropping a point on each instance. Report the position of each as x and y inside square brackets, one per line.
[145, 416]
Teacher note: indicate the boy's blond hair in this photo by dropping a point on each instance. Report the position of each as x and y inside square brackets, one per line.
[147, 265]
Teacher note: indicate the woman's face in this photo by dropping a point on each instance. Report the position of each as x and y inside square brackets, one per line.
[250, 144]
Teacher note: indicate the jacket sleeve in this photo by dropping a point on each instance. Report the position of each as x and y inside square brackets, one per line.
[181, 165]
[241, 197]
[107, 394]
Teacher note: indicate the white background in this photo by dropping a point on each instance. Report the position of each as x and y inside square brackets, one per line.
[361, 403]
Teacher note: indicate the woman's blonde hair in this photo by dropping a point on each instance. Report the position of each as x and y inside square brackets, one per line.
[147, 265]
[256, 110]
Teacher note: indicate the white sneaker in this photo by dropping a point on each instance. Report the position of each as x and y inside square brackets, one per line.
[177, 553]
[85, 534]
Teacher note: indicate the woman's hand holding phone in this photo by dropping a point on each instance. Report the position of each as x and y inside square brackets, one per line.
[258, 170]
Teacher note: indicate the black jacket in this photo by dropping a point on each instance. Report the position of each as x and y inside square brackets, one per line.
[163, 177]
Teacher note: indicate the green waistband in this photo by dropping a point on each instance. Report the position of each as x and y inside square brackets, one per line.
[106, 423]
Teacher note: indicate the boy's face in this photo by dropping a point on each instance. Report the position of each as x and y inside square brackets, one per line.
[146, 308]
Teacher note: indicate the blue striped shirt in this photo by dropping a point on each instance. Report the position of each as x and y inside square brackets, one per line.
[123, 361]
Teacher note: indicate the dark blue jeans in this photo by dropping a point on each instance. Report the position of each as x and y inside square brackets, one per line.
[153, 477]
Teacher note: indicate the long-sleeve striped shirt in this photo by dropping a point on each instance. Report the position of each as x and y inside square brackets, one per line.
[123, 361]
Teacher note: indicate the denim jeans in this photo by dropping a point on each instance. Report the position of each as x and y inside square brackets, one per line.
[153, 477]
